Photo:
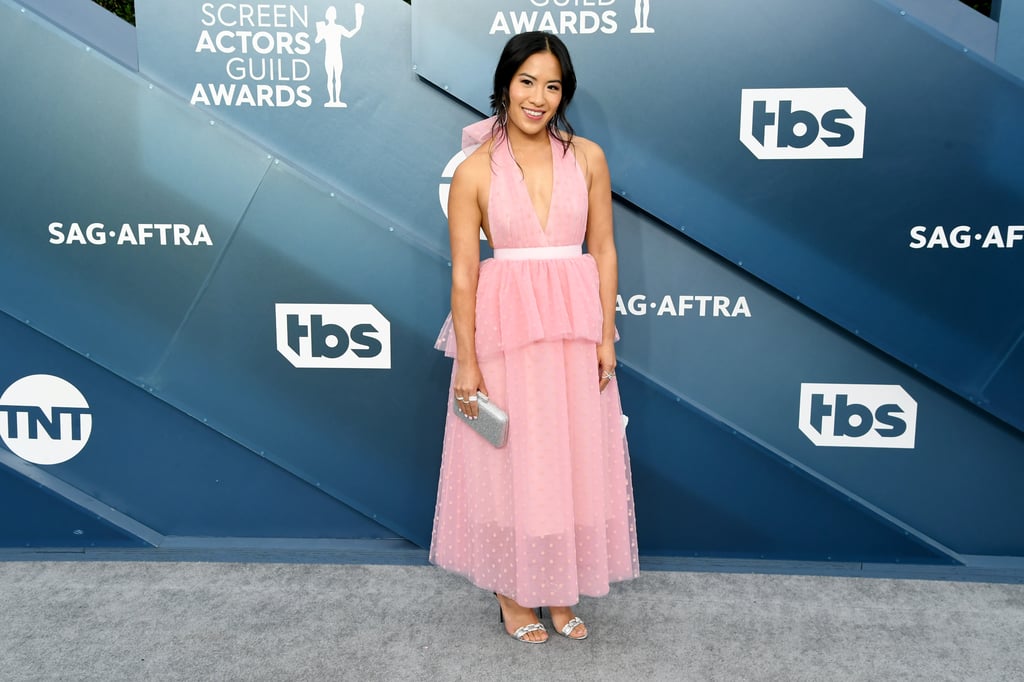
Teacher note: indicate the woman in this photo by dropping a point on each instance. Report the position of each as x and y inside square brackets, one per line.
[550, 515]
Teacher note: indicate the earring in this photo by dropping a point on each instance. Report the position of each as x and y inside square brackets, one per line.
[503, 117]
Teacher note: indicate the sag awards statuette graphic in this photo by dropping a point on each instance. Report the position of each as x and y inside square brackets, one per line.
[642, 10]
[267, 51]
[331, 33]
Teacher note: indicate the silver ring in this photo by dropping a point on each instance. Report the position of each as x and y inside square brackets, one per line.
[461, 400]
[471, 399]
[608, 375]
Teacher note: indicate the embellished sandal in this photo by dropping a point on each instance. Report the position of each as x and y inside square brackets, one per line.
[567, 629]
[521, 633]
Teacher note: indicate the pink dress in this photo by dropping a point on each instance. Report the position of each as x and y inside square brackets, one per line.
[549, 516]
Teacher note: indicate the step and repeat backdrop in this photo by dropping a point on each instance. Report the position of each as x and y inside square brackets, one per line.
[222, 276]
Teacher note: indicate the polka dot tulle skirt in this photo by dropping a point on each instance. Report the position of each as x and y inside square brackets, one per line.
[549, 517]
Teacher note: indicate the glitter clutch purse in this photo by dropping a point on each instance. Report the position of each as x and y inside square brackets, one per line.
[492, 424]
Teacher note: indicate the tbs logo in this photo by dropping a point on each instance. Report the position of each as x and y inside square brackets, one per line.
[858, 415]
[333, 336]
[803, 123]
[44, 419]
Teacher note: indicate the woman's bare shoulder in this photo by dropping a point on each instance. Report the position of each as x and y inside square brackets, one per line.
[589, 156]
[476, 167]
[587, 148]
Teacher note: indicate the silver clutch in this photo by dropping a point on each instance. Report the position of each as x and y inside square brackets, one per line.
[492, 424]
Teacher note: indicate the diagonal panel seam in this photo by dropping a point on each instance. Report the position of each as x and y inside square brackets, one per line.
[214, 269]
[1002, 362]
[76, 497]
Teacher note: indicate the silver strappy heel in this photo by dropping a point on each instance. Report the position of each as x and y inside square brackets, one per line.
[570, 626]
[521, 633]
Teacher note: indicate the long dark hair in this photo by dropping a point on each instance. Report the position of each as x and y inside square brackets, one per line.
[517, 50]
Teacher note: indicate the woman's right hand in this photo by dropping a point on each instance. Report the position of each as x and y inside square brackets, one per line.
[468, 380]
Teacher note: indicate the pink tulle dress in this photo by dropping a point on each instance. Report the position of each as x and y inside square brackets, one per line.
[549, 516]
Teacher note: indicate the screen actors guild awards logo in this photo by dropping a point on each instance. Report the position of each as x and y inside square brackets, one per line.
[331, 33]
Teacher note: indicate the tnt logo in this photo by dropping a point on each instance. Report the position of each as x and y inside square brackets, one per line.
[44, 419]
[858, 415]
[333, 336]
[803, 123]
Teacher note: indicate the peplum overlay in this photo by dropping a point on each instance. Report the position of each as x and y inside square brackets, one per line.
[520, 302]
[549, 516]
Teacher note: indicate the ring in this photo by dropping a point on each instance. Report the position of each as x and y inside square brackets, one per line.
[461, 400]
[607, 375]
[471, 399]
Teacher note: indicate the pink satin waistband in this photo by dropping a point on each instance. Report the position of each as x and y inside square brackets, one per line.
[538, 252]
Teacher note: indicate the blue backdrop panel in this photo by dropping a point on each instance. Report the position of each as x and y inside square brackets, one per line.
[134, 159]
[837, 233]
[221, 434]
[1010, 45]
[393, 135]
[156, 465]
[45, 520]
[703, 491]
[370, 437]
[747, 372]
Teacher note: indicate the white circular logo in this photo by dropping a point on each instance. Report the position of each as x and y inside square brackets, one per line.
[44, 419]
[445, 188]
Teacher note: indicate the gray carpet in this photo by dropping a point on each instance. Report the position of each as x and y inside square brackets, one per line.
[224, 621]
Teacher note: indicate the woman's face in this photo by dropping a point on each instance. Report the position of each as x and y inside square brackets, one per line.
[535, 93]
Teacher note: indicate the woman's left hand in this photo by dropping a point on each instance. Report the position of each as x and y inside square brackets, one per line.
[605, 364]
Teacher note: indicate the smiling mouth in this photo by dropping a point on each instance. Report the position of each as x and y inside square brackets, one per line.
[533, 113]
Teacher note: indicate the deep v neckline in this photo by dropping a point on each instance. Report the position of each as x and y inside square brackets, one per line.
[526, 190]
